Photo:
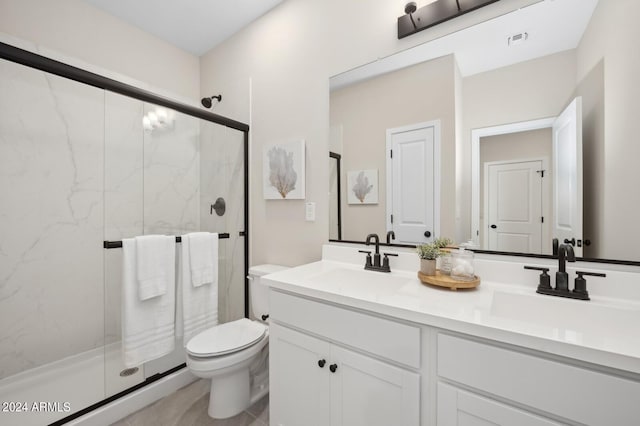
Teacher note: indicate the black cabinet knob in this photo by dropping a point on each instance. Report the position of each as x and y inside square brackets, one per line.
[570, 241]
[494, 226]
[427, 234]
[264, 317]
[321, 363]
[333, 367]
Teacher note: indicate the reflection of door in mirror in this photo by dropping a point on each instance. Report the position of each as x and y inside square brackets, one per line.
[413, 182]
[513, 193]
[567, 184]
[513, 205]
[335, 220]
[513, 196]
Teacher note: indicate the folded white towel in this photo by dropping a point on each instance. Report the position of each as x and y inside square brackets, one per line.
[203, 252]
[199, 304]
[151, 264]
[148, 327]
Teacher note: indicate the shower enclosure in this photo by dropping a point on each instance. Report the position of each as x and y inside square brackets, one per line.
[85, 162]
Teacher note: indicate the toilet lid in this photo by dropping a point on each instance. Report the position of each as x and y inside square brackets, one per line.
[226, 338]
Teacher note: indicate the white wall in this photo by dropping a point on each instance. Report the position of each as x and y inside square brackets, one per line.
[612, 37]
[276, 73]
[530, 90]
[76, 29]
[364, 111]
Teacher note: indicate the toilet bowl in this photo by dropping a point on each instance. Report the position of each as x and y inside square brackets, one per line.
[234, 355]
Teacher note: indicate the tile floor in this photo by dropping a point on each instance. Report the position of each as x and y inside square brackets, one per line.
[188, 407]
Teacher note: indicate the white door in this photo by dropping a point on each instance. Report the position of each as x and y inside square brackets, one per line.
[513, 206]
[413, 182]
[460, 408]
[567, 173]
[299, 386]
[367, 392]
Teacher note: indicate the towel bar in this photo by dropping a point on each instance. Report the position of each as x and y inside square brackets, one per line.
[118, 244]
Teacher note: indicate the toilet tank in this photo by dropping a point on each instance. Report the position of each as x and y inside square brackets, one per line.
[258, 291]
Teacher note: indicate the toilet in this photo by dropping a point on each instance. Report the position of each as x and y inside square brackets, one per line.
[234, 355]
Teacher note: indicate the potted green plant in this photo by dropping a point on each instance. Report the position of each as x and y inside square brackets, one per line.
[442, 242]
[428, 253]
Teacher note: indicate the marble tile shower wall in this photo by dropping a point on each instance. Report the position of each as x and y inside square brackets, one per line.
[77, 167]
[222, 176]
[51, 218]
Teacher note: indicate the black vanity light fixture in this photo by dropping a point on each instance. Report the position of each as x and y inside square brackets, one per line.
[415, 20]
[207, 102]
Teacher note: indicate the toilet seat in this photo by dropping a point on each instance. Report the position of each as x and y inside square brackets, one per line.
[226, 338]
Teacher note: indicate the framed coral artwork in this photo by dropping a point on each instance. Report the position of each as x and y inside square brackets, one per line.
[284, 171]
[362, 187]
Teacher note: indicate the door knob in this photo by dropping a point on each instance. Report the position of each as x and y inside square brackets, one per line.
[427, 234]
[570, 241]
[333, 367]
[494, 226]
[321, 363]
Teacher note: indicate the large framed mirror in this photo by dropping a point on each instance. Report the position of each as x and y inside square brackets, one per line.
[535, 111]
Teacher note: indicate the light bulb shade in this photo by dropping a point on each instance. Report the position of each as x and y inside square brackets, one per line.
[146, 123]
[153, 119]
[162, 115]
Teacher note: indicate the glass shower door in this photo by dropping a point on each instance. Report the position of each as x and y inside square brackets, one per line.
[51, 261]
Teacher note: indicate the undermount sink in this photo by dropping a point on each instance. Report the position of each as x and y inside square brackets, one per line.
[570, 315]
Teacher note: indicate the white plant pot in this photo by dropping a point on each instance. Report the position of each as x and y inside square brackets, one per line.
[428, 266]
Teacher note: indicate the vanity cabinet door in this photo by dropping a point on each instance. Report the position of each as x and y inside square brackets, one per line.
[315, 383]
[368, 392]
[461, 408]
[299, 381]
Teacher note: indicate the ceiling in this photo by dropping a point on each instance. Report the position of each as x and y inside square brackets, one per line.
[551, 26]
[195, 26]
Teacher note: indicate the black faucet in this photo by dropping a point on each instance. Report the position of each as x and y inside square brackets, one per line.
[390, 236]
[374, 265]
[376, 256]
[565, 254]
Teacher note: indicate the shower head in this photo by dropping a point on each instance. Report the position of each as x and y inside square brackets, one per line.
[207, 102]
[410, 7]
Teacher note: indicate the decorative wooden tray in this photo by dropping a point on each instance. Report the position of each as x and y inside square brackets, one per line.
[442, 280]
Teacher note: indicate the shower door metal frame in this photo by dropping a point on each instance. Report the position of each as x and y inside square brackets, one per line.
[42, 63]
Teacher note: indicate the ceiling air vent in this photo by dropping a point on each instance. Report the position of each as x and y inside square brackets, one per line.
[517, 39]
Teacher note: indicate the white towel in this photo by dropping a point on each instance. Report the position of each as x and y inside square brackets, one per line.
[151, 264]
[148, 327]
[199, 304]
[203, 252]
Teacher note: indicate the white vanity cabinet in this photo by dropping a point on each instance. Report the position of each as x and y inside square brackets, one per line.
[457, 407]
[510, 378]
[329, 371]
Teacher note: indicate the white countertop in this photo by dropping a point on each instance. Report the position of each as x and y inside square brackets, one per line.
[603, 331]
